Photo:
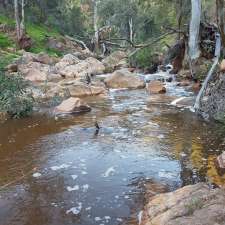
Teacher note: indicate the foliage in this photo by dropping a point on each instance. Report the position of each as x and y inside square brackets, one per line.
[14, 98]
[7, 58]
[5, 41]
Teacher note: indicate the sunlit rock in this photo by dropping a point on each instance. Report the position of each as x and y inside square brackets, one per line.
[188, 205]
[124, 79]
[72, 105]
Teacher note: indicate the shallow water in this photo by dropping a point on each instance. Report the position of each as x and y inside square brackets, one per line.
[59, 171]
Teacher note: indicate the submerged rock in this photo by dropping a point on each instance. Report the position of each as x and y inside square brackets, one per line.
[124, 79]
[196, 204]
[72, 105]
[156, 87]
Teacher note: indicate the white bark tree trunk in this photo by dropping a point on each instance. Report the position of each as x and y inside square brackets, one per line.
[17, 18]
[131, 29]
[194, 51]
[95, 20]
[22, 23]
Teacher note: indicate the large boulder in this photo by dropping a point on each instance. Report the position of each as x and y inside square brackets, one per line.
[72, 105]
[196, 204]
[115, 60]
[35, 71]
[156, 87]
[56, 90]
[67, 60]
[82, 90]
[43, 58]
[88, 66]
[124, 79]
[62, 44]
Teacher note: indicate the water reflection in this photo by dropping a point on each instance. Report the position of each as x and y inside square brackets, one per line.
[63, 173]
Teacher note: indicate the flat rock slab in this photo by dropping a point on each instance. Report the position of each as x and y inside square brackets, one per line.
[196, 204]
[71, 106]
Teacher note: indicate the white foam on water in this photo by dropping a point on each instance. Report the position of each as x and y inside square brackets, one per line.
[168, 175]
[74, 188]
[75, 210]
[74, 177]
[88, 208]
[97, 219]
[161, 136]
[63, 166]
[54, 204]
[84, 173]
[107, 217]
[82, 165]
[36, 175]
[85, 187]
[109, 172]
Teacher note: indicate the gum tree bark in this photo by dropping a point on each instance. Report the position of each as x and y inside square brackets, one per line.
[193, 44]
[17, 18]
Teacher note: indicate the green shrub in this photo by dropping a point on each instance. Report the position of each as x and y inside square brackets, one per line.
[14, 98]
[4, 41]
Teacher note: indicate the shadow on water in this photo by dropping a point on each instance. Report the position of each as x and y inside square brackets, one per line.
[61, 171]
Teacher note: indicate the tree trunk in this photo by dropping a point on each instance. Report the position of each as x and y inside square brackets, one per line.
[220, 19]
[131, 29]
[194, 51]
[193, 44]
[17, 18]
[95, 21]
[179, 16]
[22, 23]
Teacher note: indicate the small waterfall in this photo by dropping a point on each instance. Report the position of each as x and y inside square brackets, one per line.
[216, 60]
[194, 29]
